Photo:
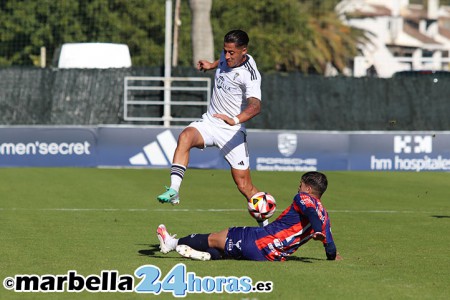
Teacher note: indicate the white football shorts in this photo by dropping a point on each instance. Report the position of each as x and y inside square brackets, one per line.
[232, 143]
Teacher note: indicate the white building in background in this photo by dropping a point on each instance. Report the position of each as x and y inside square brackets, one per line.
[402, 36]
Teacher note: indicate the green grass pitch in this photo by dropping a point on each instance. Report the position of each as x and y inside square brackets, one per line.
[392, 229]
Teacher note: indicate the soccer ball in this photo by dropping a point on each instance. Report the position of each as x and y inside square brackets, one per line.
[261, 206]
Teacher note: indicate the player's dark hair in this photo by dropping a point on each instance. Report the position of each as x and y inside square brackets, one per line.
[238, 37]
[317, 181]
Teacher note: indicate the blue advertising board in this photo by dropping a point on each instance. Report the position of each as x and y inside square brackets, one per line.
[48, 146]
[153, 147]
[149, 147]
[403, 151]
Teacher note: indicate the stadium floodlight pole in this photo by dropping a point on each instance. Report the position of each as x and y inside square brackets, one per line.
[167, 65]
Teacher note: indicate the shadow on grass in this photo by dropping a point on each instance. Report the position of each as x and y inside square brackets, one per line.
[308, 260]
[441, 217]
[153, 251]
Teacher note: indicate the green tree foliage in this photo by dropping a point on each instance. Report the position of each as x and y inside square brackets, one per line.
[288, 35]
[332, 41]
[276, 29]
[28, 25]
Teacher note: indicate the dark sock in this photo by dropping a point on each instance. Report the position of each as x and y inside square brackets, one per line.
[215, 254]
[195, 241]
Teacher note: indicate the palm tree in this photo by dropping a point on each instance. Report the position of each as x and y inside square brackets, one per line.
[332, 43]
[202, 36]
[291, 35]
[324, 39]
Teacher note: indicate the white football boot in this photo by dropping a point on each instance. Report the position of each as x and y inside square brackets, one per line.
[188, 252]
[167, 242]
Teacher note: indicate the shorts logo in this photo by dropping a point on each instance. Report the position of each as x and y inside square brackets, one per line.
[287, 143]
[158, 153]
[231, 245]
[238, 245]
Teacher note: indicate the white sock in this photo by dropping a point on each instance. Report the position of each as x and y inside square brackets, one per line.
[172, 243]
[176, 176]
[175, 182]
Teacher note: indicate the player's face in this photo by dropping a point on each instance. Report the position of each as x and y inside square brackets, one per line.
[304, 188]
[234, 55]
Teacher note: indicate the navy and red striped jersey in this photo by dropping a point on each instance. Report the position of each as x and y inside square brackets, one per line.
[296, 226]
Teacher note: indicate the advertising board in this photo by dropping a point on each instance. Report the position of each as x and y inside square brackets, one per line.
[153, 147]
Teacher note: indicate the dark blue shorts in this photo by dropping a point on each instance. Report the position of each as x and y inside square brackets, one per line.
[240, 243]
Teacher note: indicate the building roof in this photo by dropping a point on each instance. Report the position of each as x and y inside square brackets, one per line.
[415, 33]
[444, 32]
[412, 15]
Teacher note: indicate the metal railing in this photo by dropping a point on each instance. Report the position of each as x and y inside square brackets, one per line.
[137, 84]
[429, 63]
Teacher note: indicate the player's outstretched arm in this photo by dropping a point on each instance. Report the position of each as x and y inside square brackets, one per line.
[330, 250]
[204, 65]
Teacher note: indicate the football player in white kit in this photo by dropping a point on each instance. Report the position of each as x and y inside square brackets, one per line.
[236, 98]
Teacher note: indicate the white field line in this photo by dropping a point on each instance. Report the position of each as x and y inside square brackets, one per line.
[200, 210]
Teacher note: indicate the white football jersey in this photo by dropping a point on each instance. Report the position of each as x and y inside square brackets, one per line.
[232, 86]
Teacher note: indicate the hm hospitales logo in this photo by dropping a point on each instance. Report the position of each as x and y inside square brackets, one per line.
[413, 144]
[407, 149]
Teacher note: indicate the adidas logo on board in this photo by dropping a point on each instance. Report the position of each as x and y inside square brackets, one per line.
[157, 153]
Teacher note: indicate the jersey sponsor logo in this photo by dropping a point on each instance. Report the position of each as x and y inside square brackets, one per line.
[157, 153]
[273, 251]
[221, 84]
[278, 244]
